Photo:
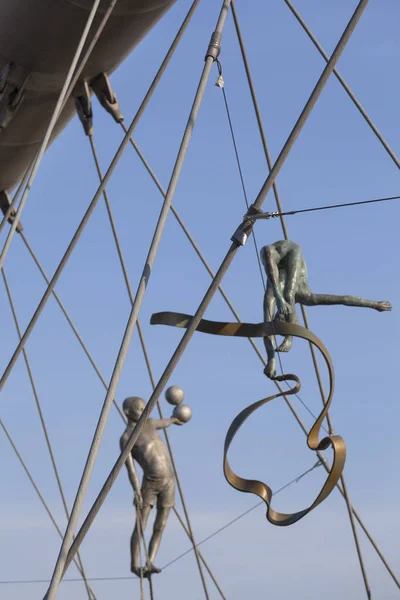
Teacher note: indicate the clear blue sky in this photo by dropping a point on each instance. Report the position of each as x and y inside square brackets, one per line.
[353, 251]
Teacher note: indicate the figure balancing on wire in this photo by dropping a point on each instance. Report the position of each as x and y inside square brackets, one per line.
[287, 285]
[158, 485]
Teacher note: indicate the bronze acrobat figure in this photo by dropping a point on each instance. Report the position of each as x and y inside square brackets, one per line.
[287, 285]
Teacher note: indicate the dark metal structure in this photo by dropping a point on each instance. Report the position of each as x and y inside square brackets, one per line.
[37, 41]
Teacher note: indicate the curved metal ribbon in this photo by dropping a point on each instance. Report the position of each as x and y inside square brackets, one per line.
[335, 441]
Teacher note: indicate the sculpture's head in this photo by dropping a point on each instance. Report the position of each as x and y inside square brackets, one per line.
[133, 407]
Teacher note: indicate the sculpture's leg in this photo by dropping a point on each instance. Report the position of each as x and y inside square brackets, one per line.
[159, 526]
[310, 299]
[271, 261]
[294, 271]
[137, 537]
[269, 312]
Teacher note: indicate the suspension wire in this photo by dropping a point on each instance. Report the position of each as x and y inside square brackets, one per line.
[179, 557]
[103, 381]
[50, 128]
[96, 197]
[257, 252]
[225, 263]
[67, 545]
[315, 208]
[305, 318]
[345, 86]
[38, 492]
[90, 593]
[256, 349]
[146, 357]
[240, 170]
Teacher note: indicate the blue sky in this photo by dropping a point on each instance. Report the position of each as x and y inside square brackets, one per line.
[353, 251]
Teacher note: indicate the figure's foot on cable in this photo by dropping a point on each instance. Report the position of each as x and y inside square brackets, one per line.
[150, 570]
[383, 306]
[286, 344]
[270, 369]
[139, 571]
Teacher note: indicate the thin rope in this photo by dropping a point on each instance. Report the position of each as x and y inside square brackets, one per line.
[316, 367]
[146, 358]
[203, 541]
[90, 593]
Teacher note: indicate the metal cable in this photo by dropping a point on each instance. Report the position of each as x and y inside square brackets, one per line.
[146, 357]
[50, 128]
[66, 545]
[100, 376]
[97, 195]
[240, 170]
[43, 424]
[315, 208]
[345, 86]
[313, 354]
[41, 498]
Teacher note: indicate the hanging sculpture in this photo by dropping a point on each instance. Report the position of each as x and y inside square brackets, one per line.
[158, 486]
[287, 285]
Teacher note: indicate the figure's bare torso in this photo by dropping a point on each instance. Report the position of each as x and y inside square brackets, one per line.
[150, 452]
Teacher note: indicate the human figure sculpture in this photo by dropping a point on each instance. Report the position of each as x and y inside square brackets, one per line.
[287, 285]
[158, 486]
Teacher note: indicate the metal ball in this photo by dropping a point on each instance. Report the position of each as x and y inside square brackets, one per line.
[174, 395]
[183, 413]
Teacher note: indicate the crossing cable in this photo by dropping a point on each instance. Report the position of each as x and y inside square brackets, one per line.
[146, 357]
[221, 84]
[344, 85]
[97, 195]
[255, 347]
[61, 563]
[180, 556]
[43, 424]
[103, 381]
[305, 318]
[238, 239]
[38, 492]
[50, 128]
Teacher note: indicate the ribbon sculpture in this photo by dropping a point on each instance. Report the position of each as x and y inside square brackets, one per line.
[250, 330]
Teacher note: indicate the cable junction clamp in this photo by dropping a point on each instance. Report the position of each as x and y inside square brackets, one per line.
[214, 47]
[242, 233]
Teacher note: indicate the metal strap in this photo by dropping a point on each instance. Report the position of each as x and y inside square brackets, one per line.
[250, 330]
